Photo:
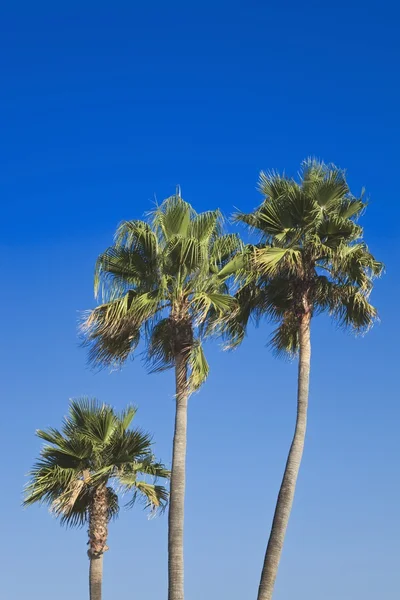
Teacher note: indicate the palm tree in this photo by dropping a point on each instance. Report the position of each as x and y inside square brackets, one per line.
[162, 279]
[310, 259]
[83, 468]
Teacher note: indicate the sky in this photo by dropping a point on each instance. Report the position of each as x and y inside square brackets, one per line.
[106, 107]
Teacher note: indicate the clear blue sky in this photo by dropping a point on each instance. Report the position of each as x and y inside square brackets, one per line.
[103, 107]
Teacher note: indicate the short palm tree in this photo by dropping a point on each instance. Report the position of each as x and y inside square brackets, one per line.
[310, 258]
[162, 279]
[86, 465]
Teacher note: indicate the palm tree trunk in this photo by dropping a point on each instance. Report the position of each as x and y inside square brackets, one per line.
[288, 486]
[98, 532]
[95, 577]
[177, 485]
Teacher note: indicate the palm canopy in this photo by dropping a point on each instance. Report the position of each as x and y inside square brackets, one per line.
[310, 256]
[163, 278]
[95, 447]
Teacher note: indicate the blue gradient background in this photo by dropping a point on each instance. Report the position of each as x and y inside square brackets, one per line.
[105, 106]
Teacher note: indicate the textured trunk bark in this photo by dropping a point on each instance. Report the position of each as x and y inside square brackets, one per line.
[98, 531]
[177, 486]
[288, 486]
[95, 577]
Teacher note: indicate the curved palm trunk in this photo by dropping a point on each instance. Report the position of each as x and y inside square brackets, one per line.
[177, 485]
[98, 531]
[288, 486]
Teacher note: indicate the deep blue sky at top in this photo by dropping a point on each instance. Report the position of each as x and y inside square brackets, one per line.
[105, 106]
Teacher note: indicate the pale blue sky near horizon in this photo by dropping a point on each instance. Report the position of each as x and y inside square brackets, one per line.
[106, 107]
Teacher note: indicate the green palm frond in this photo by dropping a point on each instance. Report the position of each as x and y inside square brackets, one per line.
[162, 281]
[222, 306]
[148, 466]
[352, 309]
[94, 447]
[100, 426]
[235, 267]
[51, 435]
[172, 217]
[146, 306]
[111, 349]
[274, 186]
[151, 495]
[325, 184]
[112, 330]
[138, 237]
[223, 251]
[334, 229]
[234, 329]
[310, 256]
[198, 367]
[184, 252]
[125, 445]
[351, 208]
[121, 268]
[71, 450]
[272, 260]
[206, 226]
[126, 417]
[47, 482]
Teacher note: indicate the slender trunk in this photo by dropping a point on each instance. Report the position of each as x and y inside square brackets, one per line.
[177, 485]
[288, 486]
[95, 577]
[98, 531]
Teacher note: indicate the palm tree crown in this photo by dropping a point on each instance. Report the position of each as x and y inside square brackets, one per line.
[94, 449]
[162, 278]
[310, 257]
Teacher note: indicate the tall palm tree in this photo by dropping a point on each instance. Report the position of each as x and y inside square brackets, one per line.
[162, 279]
[86, 465]
[310, 258]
